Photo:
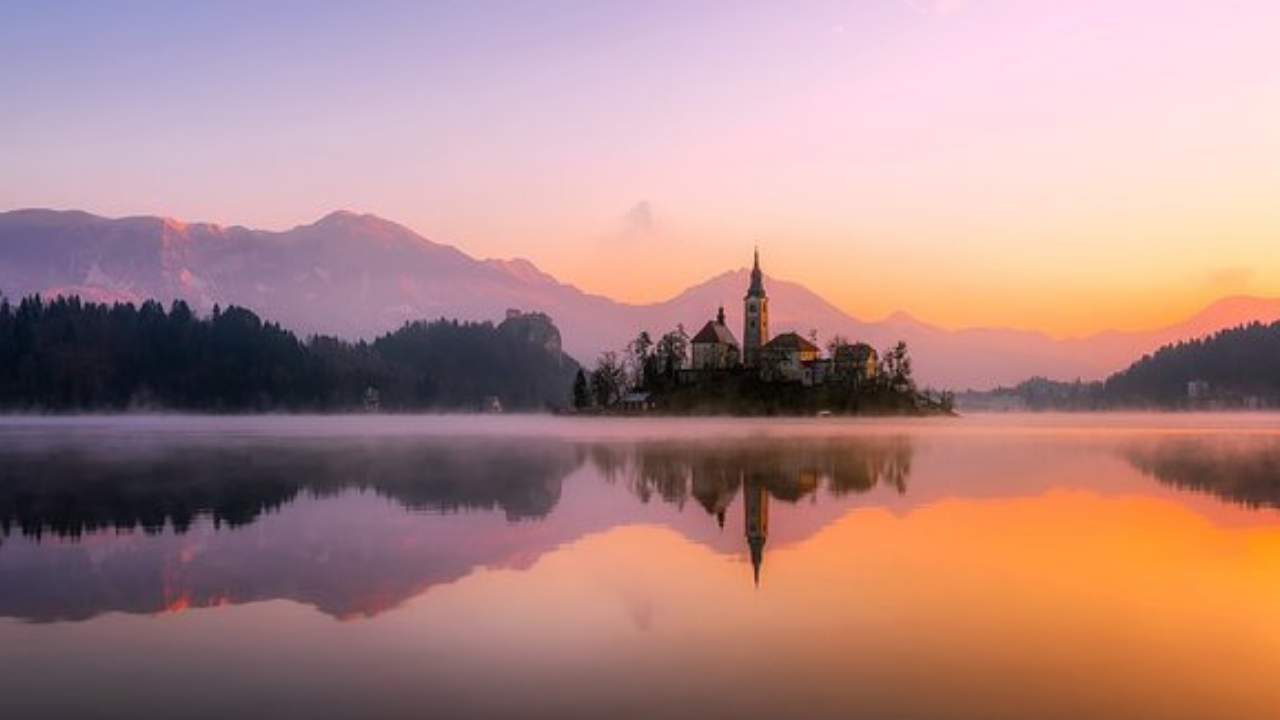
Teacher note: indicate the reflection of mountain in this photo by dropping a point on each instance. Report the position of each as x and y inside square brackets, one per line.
[1242, 470]
[127, 521]
[76, 489]
[312, 524]
[305, 519]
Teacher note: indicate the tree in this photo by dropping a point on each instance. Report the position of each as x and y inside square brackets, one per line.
[608, 379]
[837, 341]
[896, 368]
[581, 391]
[70, 355]
[640, 354]
[673, 351]
[947, 401]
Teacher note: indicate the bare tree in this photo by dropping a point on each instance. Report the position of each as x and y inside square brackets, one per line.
[673, 351]
[640, 358]
[608, 379]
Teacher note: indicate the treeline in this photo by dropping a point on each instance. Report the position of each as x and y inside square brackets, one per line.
[1233, 368]
[69, 355]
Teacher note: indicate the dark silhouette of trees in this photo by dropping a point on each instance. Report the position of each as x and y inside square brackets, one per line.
[581, 391]
[68, 355]
[1233, 368]
[895, 368]
[642, 361]
[672, 351]
[1235, 363]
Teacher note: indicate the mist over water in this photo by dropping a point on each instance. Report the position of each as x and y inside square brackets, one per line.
[479, 566]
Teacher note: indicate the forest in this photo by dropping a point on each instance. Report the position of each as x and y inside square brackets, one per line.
[1236, 368]
[66, 355]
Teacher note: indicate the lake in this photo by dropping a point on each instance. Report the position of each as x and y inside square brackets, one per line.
[1099, 566]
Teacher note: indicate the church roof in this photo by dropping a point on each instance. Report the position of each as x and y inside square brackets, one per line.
[715, 333]
[791, 341]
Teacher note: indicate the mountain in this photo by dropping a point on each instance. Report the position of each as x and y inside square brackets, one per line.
[355, 275]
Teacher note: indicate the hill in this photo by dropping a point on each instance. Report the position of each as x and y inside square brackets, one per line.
[357, 276]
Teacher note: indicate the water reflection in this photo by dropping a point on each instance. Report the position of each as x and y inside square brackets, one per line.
[756, 520]
[69, 489]
[789, 471]
[925, 573]
[151, 527]
[157, 526]
[712, 472]
[1243, 470]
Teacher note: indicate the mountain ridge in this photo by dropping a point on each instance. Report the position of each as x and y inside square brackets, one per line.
[356, 275]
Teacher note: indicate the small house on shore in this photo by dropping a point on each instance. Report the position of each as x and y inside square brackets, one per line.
[636, 402]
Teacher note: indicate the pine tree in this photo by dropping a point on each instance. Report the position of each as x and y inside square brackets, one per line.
[581, 391]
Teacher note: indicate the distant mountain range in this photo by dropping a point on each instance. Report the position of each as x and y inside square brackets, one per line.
[359, 275]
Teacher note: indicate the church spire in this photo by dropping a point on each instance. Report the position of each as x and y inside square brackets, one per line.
[755, 306]
[757, 277]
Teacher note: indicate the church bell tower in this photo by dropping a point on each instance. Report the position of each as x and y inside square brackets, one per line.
[755, 331]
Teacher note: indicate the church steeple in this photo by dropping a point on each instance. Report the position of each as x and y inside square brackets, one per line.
[755, 331]
[757, 278]
[755, 502]
[757, 557]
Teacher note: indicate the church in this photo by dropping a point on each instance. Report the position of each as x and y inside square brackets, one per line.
[789, 357]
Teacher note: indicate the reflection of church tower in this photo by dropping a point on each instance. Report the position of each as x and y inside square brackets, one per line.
[755, 332]
[756, 506]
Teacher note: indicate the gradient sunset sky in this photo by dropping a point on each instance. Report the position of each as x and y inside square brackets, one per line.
[1061, 165]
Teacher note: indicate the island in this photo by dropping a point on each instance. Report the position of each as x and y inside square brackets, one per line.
[786, 374]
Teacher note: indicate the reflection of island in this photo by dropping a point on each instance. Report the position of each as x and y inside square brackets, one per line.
[1240, 470]
[149, 527]
[788, 471]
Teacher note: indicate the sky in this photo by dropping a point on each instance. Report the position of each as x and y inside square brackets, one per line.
[1065, 166]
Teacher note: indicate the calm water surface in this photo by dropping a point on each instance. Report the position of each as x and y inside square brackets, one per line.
[986, 567]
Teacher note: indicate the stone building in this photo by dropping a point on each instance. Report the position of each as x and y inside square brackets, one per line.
[857, 362]
[715, 347]
[786, 357]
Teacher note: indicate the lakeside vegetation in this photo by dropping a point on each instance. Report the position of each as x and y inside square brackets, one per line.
[66, 355]
[1236, 368]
